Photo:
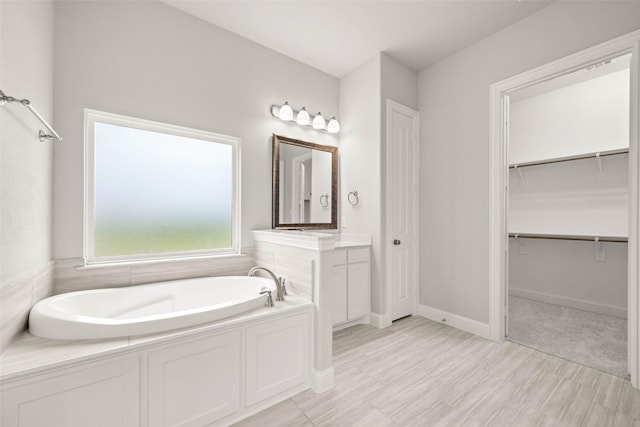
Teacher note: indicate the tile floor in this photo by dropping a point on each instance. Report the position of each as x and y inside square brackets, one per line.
[422, 373]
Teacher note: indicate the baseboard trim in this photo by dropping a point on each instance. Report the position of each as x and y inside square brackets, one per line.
[609, 310]
[455, 320]
[380, 321]
[365, 320]
[322, 381]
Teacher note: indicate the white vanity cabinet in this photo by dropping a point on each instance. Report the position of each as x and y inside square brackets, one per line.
[103, 393]
[351, 281]
[339, 283]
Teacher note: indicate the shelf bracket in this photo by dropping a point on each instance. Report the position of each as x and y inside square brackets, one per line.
[521, 179]
[600, 174]
[522, 247]
[599, 254]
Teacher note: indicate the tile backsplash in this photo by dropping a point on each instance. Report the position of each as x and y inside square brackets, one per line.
[297, 271]
[69, 278]
[19, 294]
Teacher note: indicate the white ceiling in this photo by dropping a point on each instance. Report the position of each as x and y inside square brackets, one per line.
[338, 36]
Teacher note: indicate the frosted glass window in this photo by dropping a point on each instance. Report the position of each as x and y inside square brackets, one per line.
[159, 192]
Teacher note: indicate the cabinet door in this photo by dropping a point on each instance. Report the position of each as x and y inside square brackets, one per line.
[339, 294]
[358, 304]
[98, 394]
[195, 382]
[278, 357]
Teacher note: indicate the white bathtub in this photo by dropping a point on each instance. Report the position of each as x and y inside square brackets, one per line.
[145, 309]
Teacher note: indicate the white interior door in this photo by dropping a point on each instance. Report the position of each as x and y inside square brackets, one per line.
[283, 217]
[297, 186]
[302, 175]
[402, 209]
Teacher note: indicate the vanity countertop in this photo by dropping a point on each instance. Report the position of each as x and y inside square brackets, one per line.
[318, 240]
[351, 240]
[349, 244]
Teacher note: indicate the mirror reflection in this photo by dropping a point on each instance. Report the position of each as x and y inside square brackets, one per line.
[304, 184]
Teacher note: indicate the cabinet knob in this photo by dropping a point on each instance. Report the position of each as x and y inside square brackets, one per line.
[396, 242]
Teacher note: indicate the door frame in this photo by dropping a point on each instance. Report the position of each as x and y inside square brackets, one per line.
[498, 179]
[392, 106]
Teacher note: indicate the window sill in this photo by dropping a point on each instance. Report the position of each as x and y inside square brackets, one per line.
[124, 263]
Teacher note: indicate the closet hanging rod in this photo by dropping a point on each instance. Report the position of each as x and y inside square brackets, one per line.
[609, 239]
[570, 158]
[42, 136]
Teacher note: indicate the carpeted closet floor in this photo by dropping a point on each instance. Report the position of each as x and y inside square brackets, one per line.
[595, 340]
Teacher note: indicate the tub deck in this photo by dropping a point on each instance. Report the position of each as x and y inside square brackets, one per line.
[30, 354]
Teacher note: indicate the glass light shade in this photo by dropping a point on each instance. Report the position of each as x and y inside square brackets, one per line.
[318, 121]
[333, 126]
[303, 117]
[286, 113]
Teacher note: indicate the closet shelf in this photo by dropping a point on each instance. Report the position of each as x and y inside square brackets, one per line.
[570, 158]
[614, 239]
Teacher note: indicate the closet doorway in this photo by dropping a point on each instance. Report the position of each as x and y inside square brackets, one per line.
[499, 240]
[568, 215]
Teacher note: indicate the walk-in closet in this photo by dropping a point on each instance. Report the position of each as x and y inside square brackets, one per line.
[568, 214]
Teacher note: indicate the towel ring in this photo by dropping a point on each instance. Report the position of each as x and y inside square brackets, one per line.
[353, 198]
[324, 200]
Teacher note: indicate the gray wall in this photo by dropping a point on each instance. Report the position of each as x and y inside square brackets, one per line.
[363, 95]
[454, 134]
[360, 159]
[26, 71]
[148, 60]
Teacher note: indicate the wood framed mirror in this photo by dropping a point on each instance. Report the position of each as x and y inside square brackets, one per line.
[305, 185]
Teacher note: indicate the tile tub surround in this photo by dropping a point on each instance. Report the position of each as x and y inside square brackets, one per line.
[422, 373]
[17, 295]
[136, 378]
[29, 354]
[297, 271]
[69, 278]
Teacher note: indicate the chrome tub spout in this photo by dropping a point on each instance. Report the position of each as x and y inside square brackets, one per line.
[280, 289]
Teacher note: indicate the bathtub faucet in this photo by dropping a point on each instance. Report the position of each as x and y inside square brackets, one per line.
[269, 302]
[280, 289]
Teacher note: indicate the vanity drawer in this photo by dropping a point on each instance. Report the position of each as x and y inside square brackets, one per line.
[359, 255]
[339, 256]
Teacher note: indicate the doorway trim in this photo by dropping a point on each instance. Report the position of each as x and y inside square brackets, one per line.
[392, 106]
[498, 179]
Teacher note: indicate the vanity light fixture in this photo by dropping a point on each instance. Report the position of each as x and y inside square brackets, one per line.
[286, 112]
[318, 121]
[302, 117]
[333, 126]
